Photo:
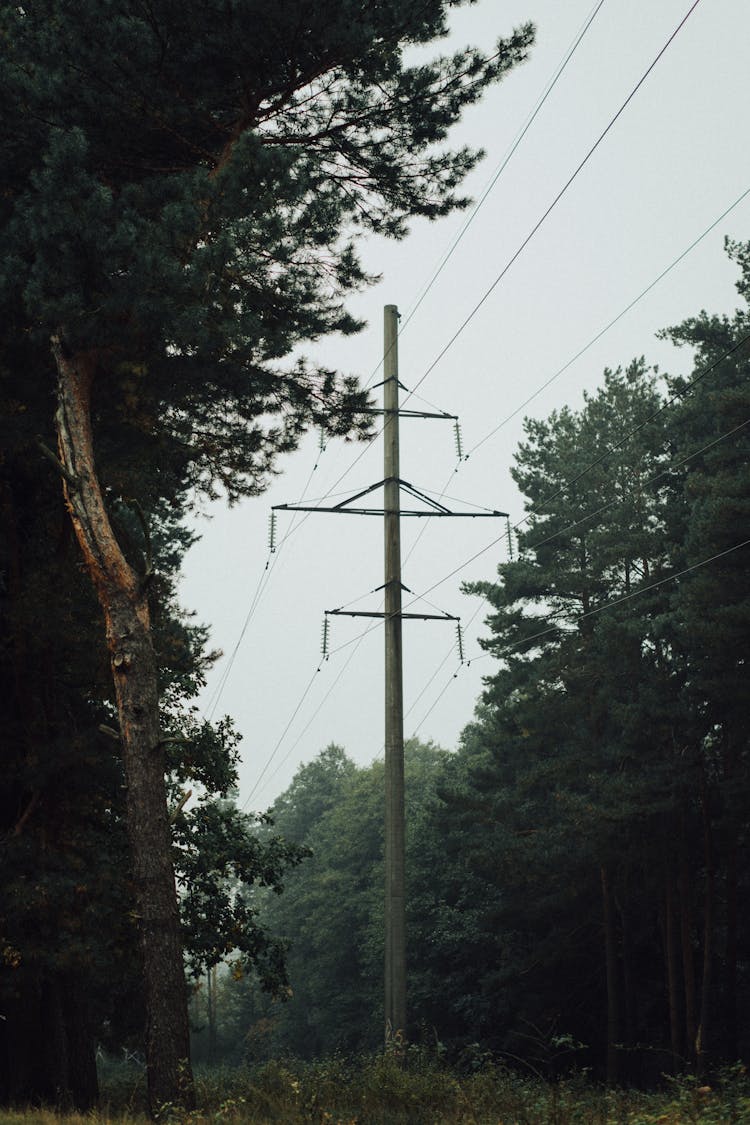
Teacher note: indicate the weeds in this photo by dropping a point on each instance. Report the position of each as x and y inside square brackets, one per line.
[409, 1087]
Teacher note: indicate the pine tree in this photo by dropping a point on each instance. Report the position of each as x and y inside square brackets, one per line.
[707, 623]
[578, 720]
[178, 180]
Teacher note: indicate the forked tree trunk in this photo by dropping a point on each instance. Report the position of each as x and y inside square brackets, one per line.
[126, 615]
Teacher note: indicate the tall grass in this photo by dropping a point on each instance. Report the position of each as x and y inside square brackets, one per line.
[411, 1090]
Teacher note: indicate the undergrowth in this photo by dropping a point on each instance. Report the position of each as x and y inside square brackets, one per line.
[416, 1090]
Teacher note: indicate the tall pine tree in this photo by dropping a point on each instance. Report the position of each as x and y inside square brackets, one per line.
[177, 182]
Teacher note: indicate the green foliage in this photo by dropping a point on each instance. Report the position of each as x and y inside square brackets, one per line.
[368, 1090]
[599, 792]
[576, 870]
[182, 187]
[330, 913]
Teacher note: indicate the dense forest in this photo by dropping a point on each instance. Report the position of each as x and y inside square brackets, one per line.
[577, 870]
[181, 187]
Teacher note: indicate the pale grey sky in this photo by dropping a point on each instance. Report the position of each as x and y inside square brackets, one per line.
[673, 162]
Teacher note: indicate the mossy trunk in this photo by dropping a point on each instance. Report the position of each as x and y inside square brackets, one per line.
[125, 606]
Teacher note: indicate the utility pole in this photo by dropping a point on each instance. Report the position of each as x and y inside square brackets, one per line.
[393, 615]
[395, 821]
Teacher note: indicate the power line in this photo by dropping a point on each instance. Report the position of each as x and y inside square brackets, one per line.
[669, 401]
[591, 515]
[504, 162]
[529, 238]
[581, 352]
[599, 460]
[475, 210]
[664, 472]
[260, 588]
[499, 653]
[566, 484]
[559, 195]
[312, 718]
[361, 455]
[585, 519]
[602, 457]
[273, 753]
[620, 600]
[561, 370]
[533, 231]
[652, 480]
[447, 256]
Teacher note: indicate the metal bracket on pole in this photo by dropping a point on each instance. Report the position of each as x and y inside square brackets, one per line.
[403, 616]
[435, 506]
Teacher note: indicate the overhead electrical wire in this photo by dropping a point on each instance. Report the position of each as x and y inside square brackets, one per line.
[496, 176]
[592, 515]
[498, 653]
[504, 162]
[602, 331]
[282, 736]
[618, 445]
[213, 703]
[412, 391]
[582, 351]
[690, 384]
[310, 721]
[506, 268]
[614, 448]
[472, 215]
[528, 239]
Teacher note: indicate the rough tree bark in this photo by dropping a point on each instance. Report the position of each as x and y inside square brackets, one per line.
[673, 982]
[686, 939]
[124, 603]
[612, 975]
[705, 1031]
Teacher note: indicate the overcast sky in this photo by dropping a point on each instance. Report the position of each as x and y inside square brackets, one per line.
[675, 159]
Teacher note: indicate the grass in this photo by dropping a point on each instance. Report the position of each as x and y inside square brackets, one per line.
[386, 1091]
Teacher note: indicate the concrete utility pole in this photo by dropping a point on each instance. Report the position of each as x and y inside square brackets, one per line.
[395, 826]
[393, 615]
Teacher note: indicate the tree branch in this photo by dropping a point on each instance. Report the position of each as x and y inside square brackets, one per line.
[72, 480]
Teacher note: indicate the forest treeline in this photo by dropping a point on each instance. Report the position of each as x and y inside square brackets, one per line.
[578, 869]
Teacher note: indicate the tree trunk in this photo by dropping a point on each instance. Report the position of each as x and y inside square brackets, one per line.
[124, 603]
[673, 986]
[686, 939]
[211, 981]
[730, 1045]
[613, 988]
[703, 1038]
[628, 976]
